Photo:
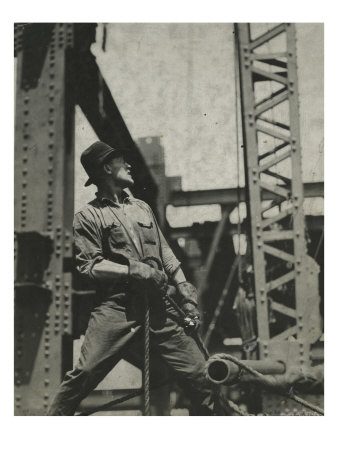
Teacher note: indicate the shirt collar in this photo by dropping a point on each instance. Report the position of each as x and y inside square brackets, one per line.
[101, 198]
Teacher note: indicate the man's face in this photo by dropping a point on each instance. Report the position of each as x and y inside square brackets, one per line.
[120, 172]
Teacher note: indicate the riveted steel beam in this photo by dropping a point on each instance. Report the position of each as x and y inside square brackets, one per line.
[291, 239]
[44, 186]
[228, 197]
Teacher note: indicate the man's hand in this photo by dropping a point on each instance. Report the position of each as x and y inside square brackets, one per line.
[187, 296]
[153, 279]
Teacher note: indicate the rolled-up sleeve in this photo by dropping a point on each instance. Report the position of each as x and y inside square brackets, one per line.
[169, 261]
[88, 245]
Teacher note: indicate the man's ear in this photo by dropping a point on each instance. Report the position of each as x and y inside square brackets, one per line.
[107, 168]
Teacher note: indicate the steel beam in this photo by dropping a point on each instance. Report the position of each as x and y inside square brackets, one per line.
[304, 292]
[228, 197]
[44, 187]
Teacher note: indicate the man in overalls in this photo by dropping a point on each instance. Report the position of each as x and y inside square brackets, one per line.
[113, 234]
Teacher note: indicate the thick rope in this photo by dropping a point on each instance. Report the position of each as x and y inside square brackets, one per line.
[269, 384]
[146, 368]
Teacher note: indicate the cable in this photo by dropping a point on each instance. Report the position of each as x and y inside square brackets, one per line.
[237, 154]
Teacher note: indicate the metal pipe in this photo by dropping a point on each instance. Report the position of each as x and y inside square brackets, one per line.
[221, 371]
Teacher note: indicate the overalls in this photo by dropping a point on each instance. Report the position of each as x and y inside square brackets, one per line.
[104, 229]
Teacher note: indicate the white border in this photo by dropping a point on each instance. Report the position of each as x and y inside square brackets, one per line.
[165, 433]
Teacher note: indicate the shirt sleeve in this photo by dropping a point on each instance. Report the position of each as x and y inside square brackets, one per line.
[169, 261]
[88, 245]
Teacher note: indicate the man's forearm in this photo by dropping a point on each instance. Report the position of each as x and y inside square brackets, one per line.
[108, 271]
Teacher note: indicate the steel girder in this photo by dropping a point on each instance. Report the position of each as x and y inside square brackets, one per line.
[44, 187]
[270, 121]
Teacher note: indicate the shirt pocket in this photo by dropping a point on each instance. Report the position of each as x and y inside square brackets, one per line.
[147, 231]
[115, 236]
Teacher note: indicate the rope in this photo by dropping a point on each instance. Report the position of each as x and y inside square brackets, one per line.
[269, 384]
[239, 231]
[318, 245]
[146, 382]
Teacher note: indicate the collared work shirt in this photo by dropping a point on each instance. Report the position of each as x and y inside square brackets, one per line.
[104, 229]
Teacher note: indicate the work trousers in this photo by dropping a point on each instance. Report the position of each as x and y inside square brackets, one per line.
[113, 328]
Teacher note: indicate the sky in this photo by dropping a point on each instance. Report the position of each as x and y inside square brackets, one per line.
[177, 81]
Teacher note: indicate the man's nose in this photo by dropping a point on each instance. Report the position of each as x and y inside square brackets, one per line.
[128, 165]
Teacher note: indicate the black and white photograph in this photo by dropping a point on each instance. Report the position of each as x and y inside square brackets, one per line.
[169, 219]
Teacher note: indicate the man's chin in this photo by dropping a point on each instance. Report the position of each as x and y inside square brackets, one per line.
[127, 183]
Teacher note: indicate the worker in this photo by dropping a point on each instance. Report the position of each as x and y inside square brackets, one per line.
[113, 235]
